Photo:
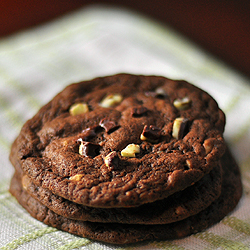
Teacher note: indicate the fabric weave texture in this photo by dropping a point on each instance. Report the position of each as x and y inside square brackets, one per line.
[96, 41]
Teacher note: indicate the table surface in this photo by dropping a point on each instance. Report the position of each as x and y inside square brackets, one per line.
[222, 27]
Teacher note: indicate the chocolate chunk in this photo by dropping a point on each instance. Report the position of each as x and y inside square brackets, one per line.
[108, 125]
[150, 133]
[139, 111]
[183, 128]
[112, 160]
[89, 149]
[88, 133]
[158, 93]
[180, 127]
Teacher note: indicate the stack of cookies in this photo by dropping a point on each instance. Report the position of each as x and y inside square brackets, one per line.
[126, 158]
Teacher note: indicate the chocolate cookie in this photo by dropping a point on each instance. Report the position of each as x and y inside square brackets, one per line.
[176, 207]
[121, 141]
[129, 233]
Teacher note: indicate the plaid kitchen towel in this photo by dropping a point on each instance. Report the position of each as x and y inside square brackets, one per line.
[96, 41]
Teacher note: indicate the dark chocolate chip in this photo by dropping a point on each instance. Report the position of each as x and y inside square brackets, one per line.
[159, 93]
[151, 132]
[108, 125]
[88, 133]
[112, 161]
[89, 149]
[184, 128]
[139, 111]
[150, 93]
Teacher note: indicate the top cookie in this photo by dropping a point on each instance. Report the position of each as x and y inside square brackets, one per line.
[122, 140]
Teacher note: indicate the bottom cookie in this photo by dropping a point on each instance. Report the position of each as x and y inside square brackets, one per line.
[130, 233]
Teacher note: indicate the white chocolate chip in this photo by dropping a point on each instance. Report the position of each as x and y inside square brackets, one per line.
[81, 147]
[143, 138]
[76, 177]
[182, 104]
[25, 182]
[208, 145]
[188, 163]
[160, 91]
[111, 100]
[176, 127]
[131, 150]
[78, 108]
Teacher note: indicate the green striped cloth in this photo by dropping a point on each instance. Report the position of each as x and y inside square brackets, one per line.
[96, 41]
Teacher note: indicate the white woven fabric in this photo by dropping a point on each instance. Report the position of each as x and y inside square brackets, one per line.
[97, 41]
